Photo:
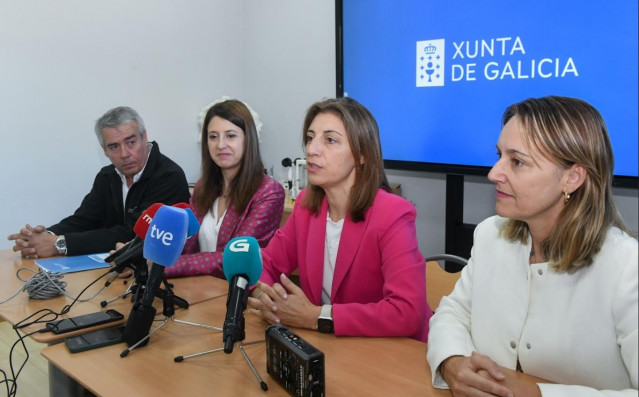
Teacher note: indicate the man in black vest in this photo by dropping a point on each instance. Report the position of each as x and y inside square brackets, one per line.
[139, 176]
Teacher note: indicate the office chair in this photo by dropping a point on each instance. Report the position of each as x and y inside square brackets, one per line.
[439, 282]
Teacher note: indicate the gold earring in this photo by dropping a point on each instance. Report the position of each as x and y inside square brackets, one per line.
[566, 197]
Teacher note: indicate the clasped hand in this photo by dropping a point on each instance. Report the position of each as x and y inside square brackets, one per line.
[34, 242]
[478, 375]
[283, 303]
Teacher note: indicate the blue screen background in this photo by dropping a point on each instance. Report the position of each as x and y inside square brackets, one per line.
[459, 123]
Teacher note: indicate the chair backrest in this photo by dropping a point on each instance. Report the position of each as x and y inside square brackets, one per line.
[439, 282]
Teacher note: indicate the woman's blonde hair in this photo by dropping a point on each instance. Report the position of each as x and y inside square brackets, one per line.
[570, 131]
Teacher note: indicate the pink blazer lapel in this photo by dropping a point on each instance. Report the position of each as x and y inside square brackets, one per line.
[315, 253]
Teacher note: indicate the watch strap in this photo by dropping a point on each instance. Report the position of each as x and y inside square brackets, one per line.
[61, 245]
[327, 312]
[325, 319]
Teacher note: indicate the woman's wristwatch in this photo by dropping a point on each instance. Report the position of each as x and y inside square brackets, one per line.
[325, 320]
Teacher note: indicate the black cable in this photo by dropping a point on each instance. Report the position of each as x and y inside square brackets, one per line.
[5, 381]
[10, 383]
[42, 313]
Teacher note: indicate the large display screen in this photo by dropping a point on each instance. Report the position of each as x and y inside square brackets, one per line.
[438, 74]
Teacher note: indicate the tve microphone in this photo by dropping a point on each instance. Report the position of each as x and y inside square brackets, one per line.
[131, 254]
[140, 229]
[162, 246]
[194, 225]
[242, 263]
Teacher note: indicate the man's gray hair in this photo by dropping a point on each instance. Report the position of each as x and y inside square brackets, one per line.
[115, 118]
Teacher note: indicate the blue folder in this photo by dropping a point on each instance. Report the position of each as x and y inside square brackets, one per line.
[70, 264]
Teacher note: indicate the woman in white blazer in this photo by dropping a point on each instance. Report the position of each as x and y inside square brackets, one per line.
[551, 287]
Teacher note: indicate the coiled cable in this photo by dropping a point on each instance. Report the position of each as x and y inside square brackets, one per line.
[46, 285]
[43, 284]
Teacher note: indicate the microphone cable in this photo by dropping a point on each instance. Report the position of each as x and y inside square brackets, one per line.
[11, 382]
[42, 313]
[42, 285]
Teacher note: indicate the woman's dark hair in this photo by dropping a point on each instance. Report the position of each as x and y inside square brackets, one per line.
[363, 137]
[251, 171]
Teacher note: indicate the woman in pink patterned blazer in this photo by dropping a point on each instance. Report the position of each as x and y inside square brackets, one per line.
[233, 197]
[353, 242]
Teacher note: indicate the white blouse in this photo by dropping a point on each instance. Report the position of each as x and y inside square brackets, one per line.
[333, 234]
[210, 229]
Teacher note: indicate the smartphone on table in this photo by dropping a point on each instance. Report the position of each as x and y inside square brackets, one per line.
[84, 321]
[95, 339]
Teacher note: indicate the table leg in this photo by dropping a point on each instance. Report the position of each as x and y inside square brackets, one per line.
[62, 385]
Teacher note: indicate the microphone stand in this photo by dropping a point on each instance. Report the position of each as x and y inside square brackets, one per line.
[167, 294]
[140, 273]
[130, 290]
[197, 324]
[241, 345]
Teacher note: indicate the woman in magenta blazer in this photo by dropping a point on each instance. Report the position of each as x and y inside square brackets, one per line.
[353, 242]
[233, 197]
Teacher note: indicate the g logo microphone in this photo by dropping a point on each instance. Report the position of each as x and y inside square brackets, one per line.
[242, 260]
[239, 245]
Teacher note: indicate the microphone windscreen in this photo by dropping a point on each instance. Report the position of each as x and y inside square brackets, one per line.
[194, 225]
[242, 255]
[166, 236]
[138, 325]
[143, 222]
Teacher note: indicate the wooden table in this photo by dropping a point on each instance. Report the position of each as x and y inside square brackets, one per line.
[355, 366]
[193, 289]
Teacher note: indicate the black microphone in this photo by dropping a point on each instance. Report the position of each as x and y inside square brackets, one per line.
[140, 228]
[236, 302]
[242, 261]
[133, 252]
[129, 255]
[122, 250]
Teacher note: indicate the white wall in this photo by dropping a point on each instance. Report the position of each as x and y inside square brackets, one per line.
[63, 63]
[289, 64]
